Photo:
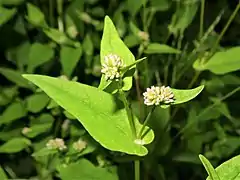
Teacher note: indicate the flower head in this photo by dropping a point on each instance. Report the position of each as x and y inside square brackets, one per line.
[26, 130]
[79, 145]
[156, 95]
[112, 66]
[57, 143]
[143, 35]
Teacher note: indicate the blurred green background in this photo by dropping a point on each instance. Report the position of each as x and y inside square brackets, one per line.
[61, 38]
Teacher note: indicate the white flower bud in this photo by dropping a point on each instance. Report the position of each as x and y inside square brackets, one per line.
[26, 130]
[79, 145]
[57, 143]
[111, 67]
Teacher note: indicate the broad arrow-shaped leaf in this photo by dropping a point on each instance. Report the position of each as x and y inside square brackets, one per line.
[97, 111]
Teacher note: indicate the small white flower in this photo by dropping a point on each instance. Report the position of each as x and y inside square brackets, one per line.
[56, 143]
[168, 94]
[79, 145]
[156, 95]
[111, 67]
[26, 130]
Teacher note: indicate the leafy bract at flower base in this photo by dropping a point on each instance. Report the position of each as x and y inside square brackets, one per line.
[98, 112]
[112, 44]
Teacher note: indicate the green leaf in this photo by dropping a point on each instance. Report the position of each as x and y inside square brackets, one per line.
[85, 170]
[3, 176]
[36, 102]
[6, 14]
[15, 76]
[221, 62]
[209, 168]
[38, 55]
[132, 40]
[184, 95]
[111, 43]
[14, 111]
[183, 17]
[11, 2]
[97, 112]
[60, 37]
[7, 94]
[69, 57]
[160, 5]
[44, 152]
[229, 170]
[134, 6]
[37, 129]
[44, 118]
[15, 145]
[71, 28]
[155, 48]
[35, 16]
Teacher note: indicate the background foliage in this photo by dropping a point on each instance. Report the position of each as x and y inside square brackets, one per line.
[62, 39]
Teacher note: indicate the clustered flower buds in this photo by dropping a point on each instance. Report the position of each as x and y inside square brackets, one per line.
[79, 145]
[156, 95]
[143, 35]
[26, 130]
[56, 143]
[111, 67]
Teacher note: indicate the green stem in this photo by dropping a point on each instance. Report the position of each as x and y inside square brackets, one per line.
[145, 122]
[201, 18]
[60, 13]
[137, 169]
[129, 113]
[225, 28]
[51, 13]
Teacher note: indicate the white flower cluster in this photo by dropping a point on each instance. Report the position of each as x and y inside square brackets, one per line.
[111, 66]
[79, 145]
[156, 95]
[56, 143]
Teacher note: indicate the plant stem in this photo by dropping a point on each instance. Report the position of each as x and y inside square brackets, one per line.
[145, 122]
[201, 18]
[137, 169]
[129, 113]
[225, 28]
[51, 13]
[60, 13]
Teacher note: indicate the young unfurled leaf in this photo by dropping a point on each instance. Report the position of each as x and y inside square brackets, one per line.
[15, 145]
[97, 111]
[209, 168]
[112, 44]
[221, 62]
[155, 48]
